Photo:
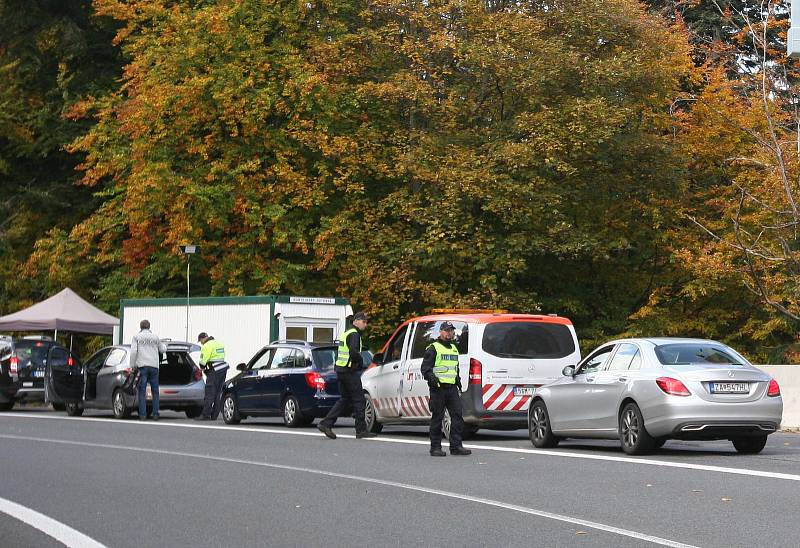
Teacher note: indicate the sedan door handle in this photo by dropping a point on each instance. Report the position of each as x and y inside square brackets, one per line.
[395, 366]
[589, 379]
[622, 379]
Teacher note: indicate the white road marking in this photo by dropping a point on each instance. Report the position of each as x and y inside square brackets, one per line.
[384, 439]
[64, 534]
[365, 479]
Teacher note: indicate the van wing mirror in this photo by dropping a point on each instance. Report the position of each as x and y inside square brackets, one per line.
[241, 367]
[568, 371]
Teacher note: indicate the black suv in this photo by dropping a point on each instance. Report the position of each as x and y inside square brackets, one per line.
[22, 368]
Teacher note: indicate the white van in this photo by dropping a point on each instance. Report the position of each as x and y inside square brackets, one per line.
[503, 358]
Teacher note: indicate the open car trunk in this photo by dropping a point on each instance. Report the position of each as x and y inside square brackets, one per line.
[176, 368]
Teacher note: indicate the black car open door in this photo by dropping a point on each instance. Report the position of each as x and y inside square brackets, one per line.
[63, 377]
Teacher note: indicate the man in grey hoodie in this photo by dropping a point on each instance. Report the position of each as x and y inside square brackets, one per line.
[146, 350]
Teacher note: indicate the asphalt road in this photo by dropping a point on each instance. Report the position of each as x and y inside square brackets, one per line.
[179, 482]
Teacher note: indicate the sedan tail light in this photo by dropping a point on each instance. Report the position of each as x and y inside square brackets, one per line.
[475, 371]
[774, 389]
[315, 380]
[14, 365]
[673, 387]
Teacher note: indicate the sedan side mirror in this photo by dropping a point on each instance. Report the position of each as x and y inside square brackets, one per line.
[568, 371]
[378, 358]
[242, 367]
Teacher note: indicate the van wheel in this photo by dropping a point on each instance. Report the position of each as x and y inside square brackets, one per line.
[633, 436]
[230, 411]
[292, 416]
[539, 427]
[121, 411]
[74, 409]
[469, 431]
[750, 445]
[370, 416]
[58, 406]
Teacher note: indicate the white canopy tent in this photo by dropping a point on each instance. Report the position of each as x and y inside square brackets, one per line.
[64, 311]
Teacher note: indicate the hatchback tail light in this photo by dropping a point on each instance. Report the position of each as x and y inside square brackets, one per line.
[70, 361]
[774, 389]
[14, 365]
[673, 387]
[475, 371]
[315, 380]
[198, 375]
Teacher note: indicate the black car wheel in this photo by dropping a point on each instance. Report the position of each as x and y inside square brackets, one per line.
[370, 417]
[121, 411]
[539, 428]
[750, 445]
[230, 411]
[633, 435]
[58, 406]
[6, 405]
[74, 409]
[193, 412]
[292, 415]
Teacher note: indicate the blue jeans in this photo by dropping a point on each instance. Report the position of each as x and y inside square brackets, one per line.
[148, 374]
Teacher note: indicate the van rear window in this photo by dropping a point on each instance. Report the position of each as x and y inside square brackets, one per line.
[528, 340]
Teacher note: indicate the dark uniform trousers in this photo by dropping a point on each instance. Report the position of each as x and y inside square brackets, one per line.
[446, 397]
[352, 396]
[215, 380]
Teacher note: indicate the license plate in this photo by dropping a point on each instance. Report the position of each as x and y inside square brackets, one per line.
[730, 387]
[27, 384]
[38, 374]
[523, 390]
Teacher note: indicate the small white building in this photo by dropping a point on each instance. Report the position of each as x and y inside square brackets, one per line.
[242, 324]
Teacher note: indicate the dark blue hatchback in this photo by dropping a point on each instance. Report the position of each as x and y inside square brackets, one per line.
[292, 379]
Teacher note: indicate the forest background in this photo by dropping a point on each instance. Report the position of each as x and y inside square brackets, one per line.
[633, 166]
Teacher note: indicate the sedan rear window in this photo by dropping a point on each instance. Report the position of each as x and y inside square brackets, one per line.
[696, 354]
[528, 340]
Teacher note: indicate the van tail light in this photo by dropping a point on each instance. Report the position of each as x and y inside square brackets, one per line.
[315, 380]
[14, 365]
[774, 389]
[198, 375]
[673, 387]
[475, 371]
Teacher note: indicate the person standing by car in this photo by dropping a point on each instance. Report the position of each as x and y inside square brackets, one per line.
[146, 351]
[348, 374]
[213, 364]
[440, 369]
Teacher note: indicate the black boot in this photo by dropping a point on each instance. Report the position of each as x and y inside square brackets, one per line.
[437, 452]
[460, 451]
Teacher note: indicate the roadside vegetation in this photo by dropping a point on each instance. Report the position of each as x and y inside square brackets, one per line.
[631, 166]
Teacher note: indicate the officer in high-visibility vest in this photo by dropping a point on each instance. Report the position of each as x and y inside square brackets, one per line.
[213, 364]
[348, 374]
[440, 369]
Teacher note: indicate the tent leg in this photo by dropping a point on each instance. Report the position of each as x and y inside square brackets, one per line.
[70, 342]
[55, 335]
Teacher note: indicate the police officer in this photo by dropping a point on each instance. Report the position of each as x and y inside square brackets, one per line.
[440, 369]
[212, 361]
[348, 365]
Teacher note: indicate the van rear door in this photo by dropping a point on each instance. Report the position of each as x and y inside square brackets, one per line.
[520, 354]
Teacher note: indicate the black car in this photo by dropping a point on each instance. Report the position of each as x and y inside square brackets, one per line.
[22, 368]
[292, 379]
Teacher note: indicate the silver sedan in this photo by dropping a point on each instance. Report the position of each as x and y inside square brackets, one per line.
[646, 391]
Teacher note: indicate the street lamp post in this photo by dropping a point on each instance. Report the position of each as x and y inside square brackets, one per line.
[188, 250]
